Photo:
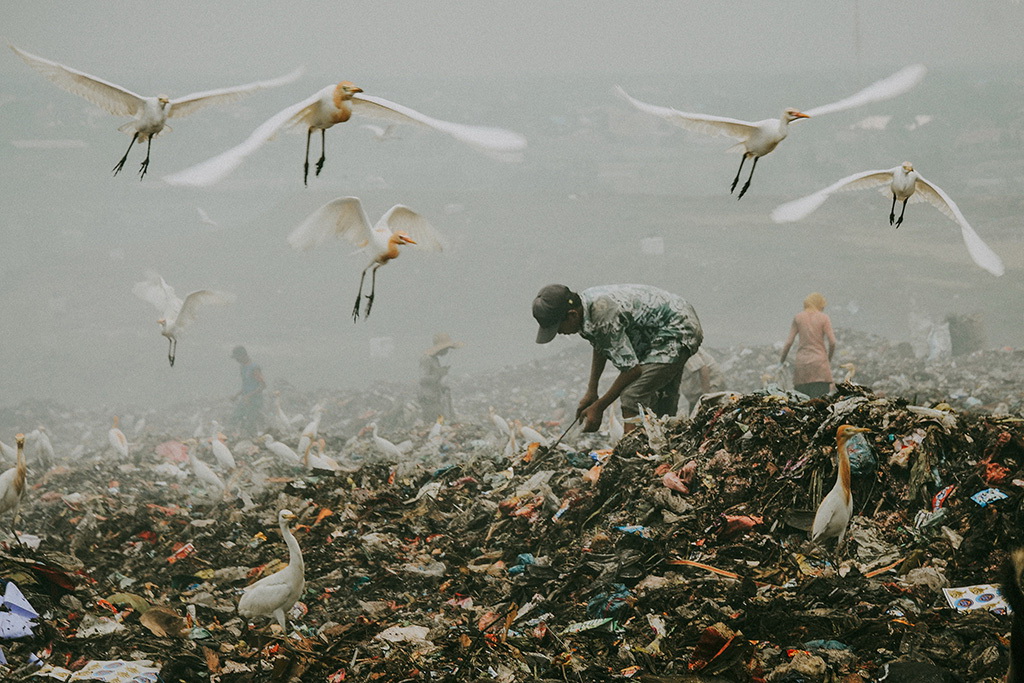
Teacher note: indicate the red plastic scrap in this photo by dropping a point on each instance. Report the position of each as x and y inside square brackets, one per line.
[711, 645]
[733, 525]
[181, 551]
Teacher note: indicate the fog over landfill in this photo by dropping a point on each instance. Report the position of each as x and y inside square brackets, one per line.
[599, 184]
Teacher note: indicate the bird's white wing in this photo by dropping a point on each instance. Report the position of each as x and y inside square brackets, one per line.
[343, 217]
[183, 106]
[214, 169]
[202, 297]
[483, 137]
[401, 217]
[104, 94]
[799, 208]
[156, 291]
[698, 123]
[887, 88]
[980, 252]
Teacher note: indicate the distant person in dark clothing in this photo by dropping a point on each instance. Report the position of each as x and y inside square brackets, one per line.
[248, 415]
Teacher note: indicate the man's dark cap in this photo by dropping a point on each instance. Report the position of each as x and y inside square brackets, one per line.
[550, 308]
[238, 352]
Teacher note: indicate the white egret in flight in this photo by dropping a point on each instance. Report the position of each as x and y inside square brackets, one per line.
[336, 104]
[176, 314]
[150, 113]
[757, 139]
[905, 184]
[345, 217]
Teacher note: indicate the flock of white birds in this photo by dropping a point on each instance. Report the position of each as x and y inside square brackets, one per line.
[344, 217]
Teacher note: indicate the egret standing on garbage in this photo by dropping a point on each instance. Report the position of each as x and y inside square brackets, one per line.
[275, 594]
[385, 447]
[282, 450]
[221, 452]
[204, 473]
[904, 183]
[151, 113]
[336, 104]
[176, 314]
[836, 507]
[345, 217]
[118, 441]
[12, 483]
[759, 138]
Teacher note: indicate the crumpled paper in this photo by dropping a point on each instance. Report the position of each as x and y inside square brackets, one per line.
[16, 614]
[113, 671]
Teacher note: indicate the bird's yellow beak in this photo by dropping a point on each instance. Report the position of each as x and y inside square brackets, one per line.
[801, 115]
[407, 240]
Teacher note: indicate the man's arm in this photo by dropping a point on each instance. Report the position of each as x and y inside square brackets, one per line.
[592, 414]
[597, 363]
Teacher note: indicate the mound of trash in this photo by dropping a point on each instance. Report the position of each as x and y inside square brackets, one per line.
[679, 554]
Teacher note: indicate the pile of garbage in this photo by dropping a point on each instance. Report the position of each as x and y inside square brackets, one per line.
[680, 553]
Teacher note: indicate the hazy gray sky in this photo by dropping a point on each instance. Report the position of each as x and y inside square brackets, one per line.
[596, 179]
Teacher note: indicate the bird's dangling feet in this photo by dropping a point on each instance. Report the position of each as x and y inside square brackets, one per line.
[120, 164]
[369, 305]
[750, 177]
[355, 309]
[144, 168]
[320, 164]
[899, 220]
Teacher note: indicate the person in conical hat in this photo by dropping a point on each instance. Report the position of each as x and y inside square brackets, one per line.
[434, 395]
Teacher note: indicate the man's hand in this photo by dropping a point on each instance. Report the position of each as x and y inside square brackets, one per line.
[588, 400]
[592, 417]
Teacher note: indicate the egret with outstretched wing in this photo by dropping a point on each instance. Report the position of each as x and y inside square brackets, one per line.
[905, 184]
[345, 217]
[332, 105]
[757, 139]
[176, 314]
[150, 113]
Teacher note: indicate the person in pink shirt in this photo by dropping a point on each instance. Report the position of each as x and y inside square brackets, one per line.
[812, 372]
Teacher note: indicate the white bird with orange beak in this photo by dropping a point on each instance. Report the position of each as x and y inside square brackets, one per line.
[836, 507]
[759, 138]
[176, 314]
[345, 217]
[118, 441]
[904, 184]
[151, 113]
[332, 105]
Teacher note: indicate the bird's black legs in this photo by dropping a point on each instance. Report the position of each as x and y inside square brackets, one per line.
[892, 211]
[323, 150]
[373, 290]
[746, 185]
[145, 162]
[120, 164]
[743, 160]
[359, 295]
[171, 348]
[305, 166]
[902, 211]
